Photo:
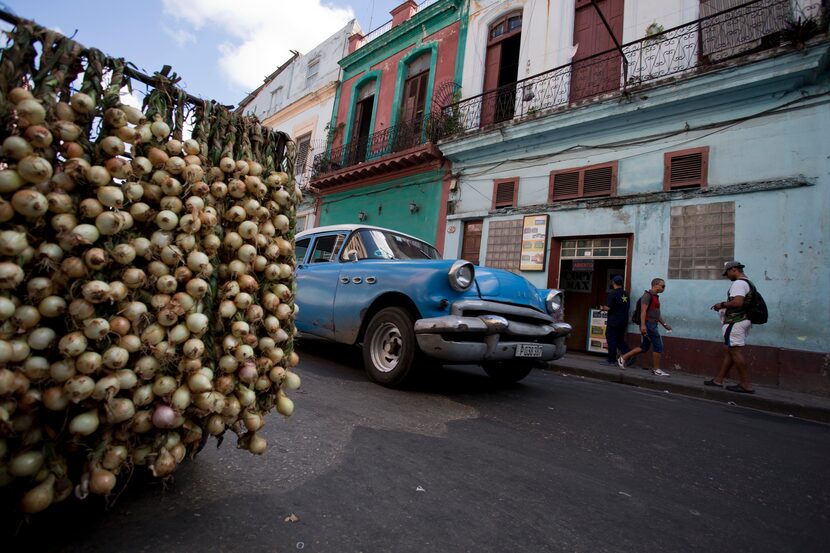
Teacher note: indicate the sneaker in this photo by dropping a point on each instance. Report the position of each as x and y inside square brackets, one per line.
[621, 362]
[658, 372]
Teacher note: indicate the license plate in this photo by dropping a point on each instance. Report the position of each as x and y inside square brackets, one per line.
[528, 350]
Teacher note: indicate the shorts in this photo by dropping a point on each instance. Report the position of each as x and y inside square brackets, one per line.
[734, 334]
[652, 339]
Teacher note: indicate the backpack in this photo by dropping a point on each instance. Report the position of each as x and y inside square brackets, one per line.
[635, 317]
[756, 309]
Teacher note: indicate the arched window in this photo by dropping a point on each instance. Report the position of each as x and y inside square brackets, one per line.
[501, 67]
[414, 98]
[505, 27]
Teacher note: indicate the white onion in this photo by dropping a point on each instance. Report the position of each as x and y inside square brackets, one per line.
[107, 386]
[7, 308]
[120, 409]
[85, 234]
[178, 334]
[193, 348]
[197, 288]
[41, 338]
[110, 222]
[116, 357]
[62, 370]
[79, 387]
[96, 291]
[166, 284]
[12, 242]
[85, 423]
[81, 309]
[197, 323]
[72, 344]
[52, 306]
[146, 367]
[143, 395]
[26, 317]
[96, 328]
[89, 362]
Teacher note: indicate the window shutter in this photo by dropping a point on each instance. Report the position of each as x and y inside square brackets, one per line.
[504, 193]
[565, 185]
[686, 169]
[598, 182]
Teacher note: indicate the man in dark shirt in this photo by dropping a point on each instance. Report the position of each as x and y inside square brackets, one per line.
[617, 307]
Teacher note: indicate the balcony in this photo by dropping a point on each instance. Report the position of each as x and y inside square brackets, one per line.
[397, 147]
[702, 45]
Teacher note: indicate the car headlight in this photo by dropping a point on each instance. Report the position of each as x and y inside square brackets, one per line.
[462, 274]
[555, 301]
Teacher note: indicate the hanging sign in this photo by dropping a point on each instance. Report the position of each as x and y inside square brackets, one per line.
[534, 243]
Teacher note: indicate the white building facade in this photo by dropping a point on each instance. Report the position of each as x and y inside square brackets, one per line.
[298, 99]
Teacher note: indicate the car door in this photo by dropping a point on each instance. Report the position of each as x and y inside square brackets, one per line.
[317, 283]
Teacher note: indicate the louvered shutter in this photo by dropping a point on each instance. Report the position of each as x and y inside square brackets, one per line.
[598, 182]
[504, 193]
[686, 169]
[565, 185]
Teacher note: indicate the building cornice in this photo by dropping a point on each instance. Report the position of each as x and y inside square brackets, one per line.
[429, 21]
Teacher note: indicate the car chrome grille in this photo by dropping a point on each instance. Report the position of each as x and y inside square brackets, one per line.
[517, 313]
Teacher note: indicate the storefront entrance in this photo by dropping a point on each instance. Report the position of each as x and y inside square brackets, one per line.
[583, 270]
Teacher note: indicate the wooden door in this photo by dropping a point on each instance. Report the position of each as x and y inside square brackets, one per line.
[471, 246]
[594, 74]
[492, 63]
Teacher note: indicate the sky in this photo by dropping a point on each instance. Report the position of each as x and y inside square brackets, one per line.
[221, 49]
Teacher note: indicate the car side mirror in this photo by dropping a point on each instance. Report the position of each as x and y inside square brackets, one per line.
[351, 255]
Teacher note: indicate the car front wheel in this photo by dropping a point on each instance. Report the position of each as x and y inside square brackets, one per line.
[389, 347]
[507, 372]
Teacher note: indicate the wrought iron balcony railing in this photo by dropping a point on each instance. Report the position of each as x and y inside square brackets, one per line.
[696, 46]
[402, 136]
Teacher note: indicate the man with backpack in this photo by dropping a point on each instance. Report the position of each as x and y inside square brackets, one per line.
[743, 302]
[617, 307]
[647, 316]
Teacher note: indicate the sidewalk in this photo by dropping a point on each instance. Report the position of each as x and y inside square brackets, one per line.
[796, 404]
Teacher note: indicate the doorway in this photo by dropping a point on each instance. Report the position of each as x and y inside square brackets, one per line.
[363, 123]
[501, 69]
[471, 245]
[583, 268]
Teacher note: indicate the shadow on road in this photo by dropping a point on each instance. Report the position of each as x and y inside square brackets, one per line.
[430, 377]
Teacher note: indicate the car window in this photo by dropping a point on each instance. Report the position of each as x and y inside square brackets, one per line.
[300, 248]
[326, 248]
[378, 244]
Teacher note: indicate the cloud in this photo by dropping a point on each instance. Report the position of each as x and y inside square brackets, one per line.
[180, 36]
[259, 33]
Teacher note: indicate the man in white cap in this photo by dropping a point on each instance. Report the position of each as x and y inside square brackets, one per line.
[735, 327]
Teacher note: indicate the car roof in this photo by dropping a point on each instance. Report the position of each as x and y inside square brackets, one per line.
[351, 228]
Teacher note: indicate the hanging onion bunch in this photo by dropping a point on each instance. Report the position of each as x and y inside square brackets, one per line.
[146, 294]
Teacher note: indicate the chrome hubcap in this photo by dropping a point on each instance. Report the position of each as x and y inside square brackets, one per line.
[385, 347]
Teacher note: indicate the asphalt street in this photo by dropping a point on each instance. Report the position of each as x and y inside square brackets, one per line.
[457, 463]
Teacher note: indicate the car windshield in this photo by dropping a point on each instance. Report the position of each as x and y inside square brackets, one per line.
[379, 244]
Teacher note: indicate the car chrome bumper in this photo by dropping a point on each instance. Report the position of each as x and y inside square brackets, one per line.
[491, 336]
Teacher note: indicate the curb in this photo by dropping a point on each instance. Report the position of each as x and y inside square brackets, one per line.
[816, 412]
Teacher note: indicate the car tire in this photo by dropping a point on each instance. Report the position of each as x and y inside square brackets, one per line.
[390, 347]
[508, 372]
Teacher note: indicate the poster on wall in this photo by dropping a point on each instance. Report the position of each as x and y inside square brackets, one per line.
[534, 242]
[597, 321]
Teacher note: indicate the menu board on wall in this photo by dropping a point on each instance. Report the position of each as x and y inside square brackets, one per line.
[597, 321]
[534, 243]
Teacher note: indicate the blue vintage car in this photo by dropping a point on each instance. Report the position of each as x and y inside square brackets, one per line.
[395, 294]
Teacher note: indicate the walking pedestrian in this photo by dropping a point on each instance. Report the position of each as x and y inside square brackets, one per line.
[649, 308]
[617, 306]
[735, 326]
